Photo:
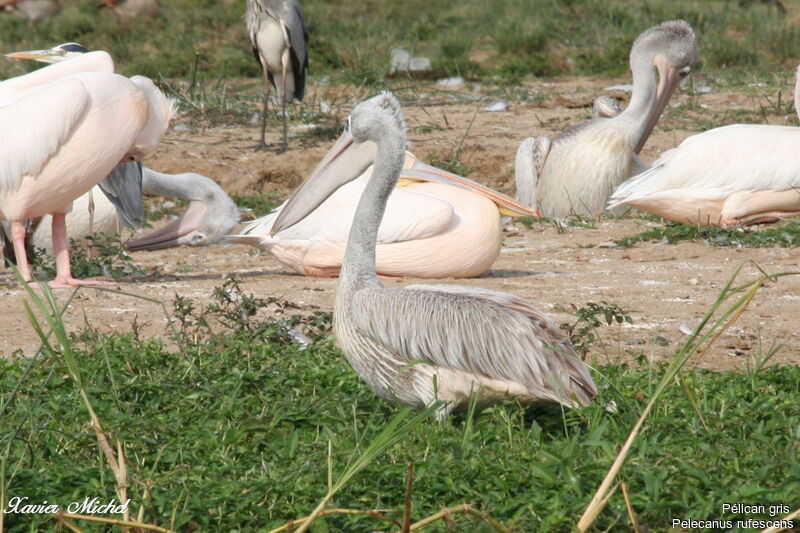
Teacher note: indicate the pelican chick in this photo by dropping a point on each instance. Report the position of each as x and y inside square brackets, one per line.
[576, 171]
[422, 343]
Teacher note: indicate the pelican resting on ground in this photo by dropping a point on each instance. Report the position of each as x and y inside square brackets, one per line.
[422, 343]
[56, 121]
[436, 225]
[209, 217]
[737, 174]
[575, 172]
[279, 39]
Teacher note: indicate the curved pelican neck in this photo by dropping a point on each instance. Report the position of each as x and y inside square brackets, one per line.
[358, 266]
[643, 95]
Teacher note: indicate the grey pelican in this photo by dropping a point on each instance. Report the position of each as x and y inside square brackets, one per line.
[436, 224]
[55, 123]
[279, 38]
[422, 343]
[34, 10]
[576, 171]
[210, 215]
[737, 174]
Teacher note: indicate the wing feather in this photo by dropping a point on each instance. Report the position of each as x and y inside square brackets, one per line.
[483, 332]
[528, 165]
[41, 120]
[410, 215]
[740, 157]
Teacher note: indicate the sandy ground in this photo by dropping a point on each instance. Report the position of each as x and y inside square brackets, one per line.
[666, 288]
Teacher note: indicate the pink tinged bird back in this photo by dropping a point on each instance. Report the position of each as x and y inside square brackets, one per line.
[13, 88]
[42, 121]
[159, 112]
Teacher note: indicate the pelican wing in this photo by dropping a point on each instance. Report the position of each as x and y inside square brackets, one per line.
[420, 171]
[479, 331]
[123, 188]
[42, 120]
[529, 162]
[410, 215]
[740, 157]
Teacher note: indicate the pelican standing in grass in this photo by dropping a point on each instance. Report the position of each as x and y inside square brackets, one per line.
[279, 38]
[55, 125]
[423, 343]
[737, 174]
[123, 186]
[211, 213]
[436, 224]
[575, 172]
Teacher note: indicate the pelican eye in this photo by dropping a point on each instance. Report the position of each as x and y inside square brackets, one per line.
[684, 72]
[347, 125]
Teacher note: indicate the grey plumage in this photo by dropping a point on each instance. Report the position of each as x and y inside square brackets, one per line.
[279, 38]
[424, 343]
[586, 161]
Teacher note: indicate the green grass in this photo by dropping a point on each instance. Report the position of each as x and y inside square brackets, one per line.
[244, 429]
[785, 234]
[352, 40]
[107, 258]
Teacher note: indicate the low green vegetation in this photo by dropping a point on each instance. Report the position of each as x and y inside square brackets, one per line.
[101, 255]
[785, 234]
[259, 204]
[242, 428]
[352, 41]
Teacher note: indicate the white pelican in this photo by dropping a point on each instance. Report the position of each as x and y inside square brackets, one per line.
[436, 225]
[576, 171]
[422, 343]
[737, 174]
[123, 186]
[68, 134]
[211, 213]
[279, 38]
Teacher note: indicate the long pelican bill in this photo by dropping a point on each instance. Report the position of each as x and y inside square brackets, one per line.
[668, 79]
[184, 230]
[508, 206]
[51, 55]
[344, 162]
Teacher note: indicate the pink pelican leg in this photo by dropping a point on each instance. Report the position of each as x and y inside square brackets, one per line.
[18, 238]
[64, 279]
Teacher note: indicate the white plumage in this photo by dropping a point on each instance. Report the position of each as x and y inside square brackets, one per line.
[742, 173]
